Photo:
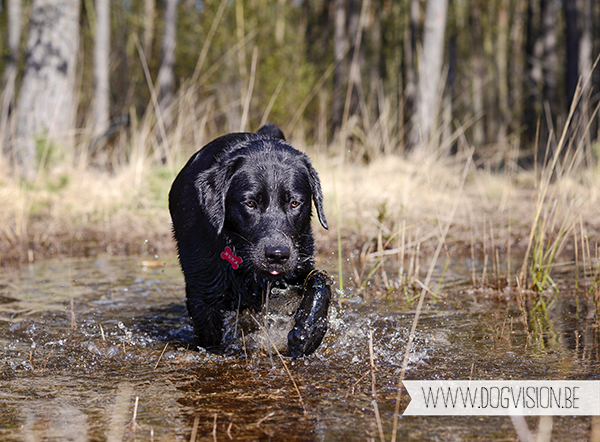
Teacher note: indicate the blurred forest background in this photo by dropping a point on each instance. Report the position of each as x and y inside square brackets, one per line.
[358, 78]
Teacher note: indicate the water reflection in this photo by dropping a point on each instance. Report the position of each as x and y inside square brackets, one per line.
[81, 339]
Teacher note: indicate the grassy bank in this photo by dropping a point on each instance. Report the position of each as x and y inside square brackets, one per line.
[392, 207]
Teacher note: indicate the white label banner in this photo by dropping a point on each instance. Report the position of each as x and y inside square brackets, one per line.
[503, 398]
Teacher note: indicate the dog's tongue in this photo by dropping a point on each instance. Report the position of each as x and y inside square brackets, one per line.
[274, 272]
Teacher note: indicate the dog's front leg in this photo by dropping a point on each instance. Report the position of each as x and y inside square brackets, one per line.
[207, 320]
[311, 316]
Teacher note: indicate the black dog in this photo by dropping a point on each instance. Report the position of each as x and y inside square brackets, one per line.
[241, 211]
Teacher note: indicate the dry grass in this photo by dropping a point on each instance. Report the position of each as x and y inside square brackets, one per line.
[113, 198]
[393, 194]
[82, 212]
[71, 210]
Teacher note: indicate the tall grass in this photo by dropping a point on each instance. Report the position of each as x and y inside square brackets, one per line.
[388, 206]
[553, 220]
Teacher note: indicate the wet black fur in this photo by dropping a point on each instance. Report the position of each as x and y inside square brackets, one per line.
[253, 193]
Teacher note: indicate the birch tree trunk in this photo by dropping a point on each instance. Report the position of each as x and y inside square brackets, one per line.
[375, 33]
[430, 73]
[549, 42]
[531, 91]
[14, 39]
[585, 59]
[46, 105]
[410, 55]
[516, 69]
[149, 14]
[166, 75]
[479, 72]
[14, 34]
[585, 66]
[340, 74]
[502, 42]
[10, 74]
[101, 109]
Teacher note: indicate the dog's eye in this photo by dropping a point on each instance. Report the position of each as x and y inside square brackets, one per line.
[251, 204]
[294, 204]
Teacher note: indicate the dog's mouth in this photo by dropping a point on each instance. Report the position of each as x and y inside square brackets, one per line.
[275, 271]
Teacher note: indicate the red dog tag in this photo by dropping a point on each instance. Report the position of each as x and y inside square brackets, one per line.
[229, 256]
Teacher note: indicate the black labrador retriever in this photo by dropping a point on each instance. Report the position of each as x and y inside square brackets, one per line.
[241, 210]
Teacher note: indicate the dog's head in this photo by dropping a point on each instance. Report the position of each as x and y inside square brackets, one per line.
[259, 193]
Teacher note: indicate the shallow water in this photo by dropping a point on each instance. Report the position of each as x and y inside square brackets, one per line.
[82, 340]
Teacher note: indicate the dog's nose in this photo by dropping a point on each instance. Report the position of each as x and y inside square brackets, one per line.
[277, 254]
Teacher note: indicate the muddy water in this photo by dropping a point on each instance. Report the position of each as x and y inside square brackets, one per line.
[83, 341]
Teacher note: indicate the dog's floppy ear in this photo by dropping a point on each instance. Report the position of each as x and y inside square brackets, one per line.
[317, 193]
[213, 185]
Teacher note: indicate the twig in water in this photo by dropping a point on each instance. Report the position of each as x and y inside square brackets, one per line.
[544, 431]
[214, 432]
[355, 384]
[73, 321]
[161, 355]
[262, 419]
[195, 428]
[48, 358]
[374, 388]
[522, 429]
[133, 425]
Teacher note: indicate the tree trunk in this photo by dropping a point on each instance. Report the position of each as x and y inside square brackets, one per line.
[430, 72]
[502, 76]
[479, 72]
[550, 55]
[149, 8]
[340, 74]
[376, 48]
[10, 74]
[572, 48]
[531, 90]
[357, 18]
[101, 109]
[585, 59]
[166, 75]
[14, 39]
[46, 106]
[584, 66]
[516, 65]
[410, 56]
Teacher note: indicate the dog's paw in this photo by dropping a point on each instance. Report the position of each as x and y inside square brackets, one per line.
[311, 316]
